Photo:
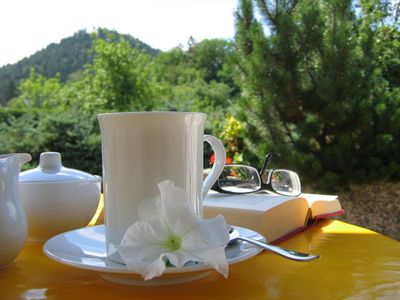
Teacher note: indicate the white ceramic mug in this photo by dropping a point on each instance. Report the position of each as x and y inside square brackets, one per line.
[141, 149]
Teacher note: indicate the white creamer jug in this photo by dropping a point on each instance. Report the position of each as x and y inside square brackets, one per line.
[13, 225]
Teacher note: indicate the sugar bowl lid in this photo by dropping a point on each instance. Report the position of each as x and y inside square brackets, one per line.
[50, 169]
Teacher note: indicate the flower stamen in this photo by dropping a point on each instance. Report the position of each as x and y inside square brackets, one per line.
[173, 242]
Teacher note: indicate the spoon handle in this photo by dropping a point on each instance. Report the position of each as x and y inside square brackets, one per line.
[294, 255]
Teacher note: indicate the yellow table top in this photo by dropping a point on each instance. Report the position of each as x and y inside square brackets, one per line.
[355, 263]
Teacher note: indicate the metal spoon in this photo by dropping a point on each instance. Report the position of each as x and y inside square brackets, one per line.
[234, 236]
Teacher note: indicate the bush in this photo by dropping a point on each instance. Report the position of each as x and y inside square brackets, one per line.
[74, 135]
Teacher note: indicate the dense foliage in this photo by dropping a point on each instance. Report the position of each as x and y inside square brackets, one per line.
[324, 84]
[51, 115]
[315, 82]
[64, 58]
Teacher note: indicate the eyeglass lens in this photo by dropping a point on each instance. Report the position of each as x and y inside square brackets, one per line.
[239, 179]
[285, 182]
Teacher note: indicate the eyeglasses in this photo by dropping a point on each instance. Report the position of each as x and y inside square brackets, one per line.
[242, 179]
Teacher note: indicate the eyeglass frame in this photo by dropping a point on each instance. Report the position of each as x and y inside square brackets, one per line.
[263, 186]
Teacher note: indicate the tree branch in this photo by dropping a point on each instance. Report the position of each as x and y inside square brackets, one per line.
[262, 5]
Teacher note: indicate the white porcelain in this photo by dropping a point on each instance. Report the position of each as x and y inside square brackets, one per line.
[13, 226]
[141, 149]
[86, 249]
[50, 169]
[57, 199]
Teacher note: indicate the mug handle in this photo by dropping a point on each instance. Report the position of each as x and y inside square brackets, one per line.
[219, 163]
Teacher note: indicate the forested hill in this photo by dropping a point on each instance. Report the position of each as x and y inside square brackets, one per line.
[66, 57]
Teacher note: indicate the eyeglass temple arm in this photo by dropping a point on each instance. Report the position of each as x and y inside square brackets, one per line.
[266, 162]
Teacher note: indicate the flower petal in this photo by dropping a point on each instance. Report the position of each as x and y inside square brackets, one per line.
[147, 268]
[143, 233]
[217, 259]
[142, 245]
[178, 258]
[207, 242]
[207, 234]
[141, 249]
[131, 254]
[150, 208]
[176, 209]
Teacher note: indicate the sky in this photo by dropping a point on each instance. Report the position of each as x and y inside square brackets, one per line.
[27, 26]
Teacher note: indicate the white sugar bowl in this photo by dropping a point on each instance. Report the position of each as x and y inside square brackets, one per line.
[57, 199]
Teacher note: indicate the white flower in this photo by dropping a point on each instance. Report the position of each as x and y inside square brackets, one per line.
[170, 231]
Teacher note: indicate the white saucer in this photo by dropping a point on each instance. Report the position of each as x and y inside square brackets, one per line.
[85, 248]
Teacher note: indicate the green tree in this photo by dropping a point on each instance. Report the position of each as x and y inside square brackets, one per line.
[315, 86]
[38, 92]
[10, 90]
[199, 79]
[120, 78]
[210, 56]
